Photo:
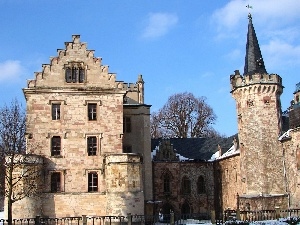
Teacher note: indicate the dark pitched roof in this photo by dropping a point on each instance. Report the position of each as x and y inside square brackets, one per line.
[197, 148]
[254, 62]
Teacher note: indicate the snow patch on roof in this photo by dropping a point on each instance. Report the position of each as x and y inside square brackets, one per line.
[285, 135]
[232, 151]
[180, 157]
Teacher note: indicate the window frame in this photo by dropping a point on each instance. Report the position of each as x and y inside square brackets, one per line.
[75, 73]
[55, 182]
[92, 145]
[93, 181]
[55, 145]
[92, 115]
[56, 114]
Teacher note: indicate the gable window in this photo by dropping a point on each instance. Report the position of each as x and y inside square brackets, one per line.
[92, 145]
[92, 182]
[55, 182]
[186, 185]
[126, 124]
[56, 111]
[167, 183]
[55, 145]
[201, 185]
[75, 75]
[127, 149]
[92, 111]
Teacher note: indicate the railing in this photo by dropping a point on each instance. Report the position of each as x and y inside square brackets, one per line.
[113, 220]
[260, 215]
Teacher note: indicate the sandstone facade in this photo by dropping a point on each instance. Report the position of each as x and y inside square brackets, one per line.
[87, 125]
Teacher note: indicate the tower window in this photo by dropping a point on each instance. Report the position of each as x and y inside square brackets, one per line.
[92, 111]
[126, 124]
[55, 182]
[55, 111]
[92, 182]
[55, 145]
[92, 145]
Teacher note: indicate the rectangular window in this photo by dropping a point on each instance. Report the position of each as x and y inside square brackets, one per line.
[55, 145]
[92, 182]
[75, 74]
[55, 182]
[92, 111]
[127, 149]
[68, 75]
[56, 111]
[126, 124]
[81, 75]
[92, 145]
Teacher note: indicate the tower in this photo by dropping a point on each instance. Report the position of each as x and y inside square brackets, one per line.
[257, 96]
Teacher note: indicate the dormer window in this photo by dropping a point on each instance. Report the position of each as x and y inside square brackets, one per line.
[75, 73]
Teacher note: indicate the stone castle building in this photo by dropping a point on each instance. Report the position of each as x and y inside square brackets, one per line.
[93, 132]
[94, 135]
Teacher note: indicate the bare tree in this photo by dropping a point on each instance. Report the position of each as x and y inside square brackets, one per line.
[183, 116]
[21, 170]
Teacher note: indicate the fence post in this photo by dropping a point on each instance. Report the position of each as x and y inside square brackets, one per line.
[84, 220]
[37, 220]
[129, 216]
[213, 216]
[238, 214]
[277, 212]
[172, 220]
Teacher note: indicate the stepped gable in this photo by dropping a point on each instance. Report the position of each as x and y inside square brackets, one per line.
[76, 68]
[197, 148]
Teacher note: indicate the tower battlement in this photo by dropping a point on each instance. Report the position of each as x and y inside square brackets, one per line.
[237, 80]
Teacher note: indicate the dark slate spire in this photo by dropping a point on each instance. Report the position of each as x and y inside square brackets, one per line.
[254, 62]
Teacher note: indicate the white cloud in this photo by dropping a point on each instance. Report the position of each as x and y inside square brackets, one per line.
[267, 12]
[159, 24]
[276, 24]
[279, 53]
[10, 70]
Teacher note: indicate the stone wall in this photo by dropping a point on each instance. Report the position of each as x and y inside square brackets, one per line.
[176, 199]
[290, 148]
[227, 182]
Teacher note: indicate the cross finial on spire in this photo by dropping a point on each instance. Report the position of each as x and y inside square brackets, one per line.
[249, 14]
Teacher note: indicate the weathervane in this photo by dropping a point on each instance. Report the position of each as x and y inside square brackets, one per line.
[249, 14]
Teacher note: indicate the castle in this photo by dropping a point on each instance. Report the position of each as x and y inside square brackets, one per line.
[94, 135]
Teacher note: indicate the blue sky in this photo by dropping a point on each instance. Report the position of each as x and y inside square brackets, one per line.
[178, 46]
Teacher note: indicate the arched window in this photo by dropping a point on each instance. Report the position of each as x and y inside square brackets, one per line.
[201, 185]
[167, 181]
[186, 185]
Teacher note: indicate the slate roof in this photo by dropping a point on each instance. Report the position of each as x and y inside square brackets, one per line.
[254, 62]
[200, 149]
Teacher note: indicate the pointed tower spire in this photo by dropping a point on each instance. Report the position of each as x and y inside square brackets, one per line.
[254, 62]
